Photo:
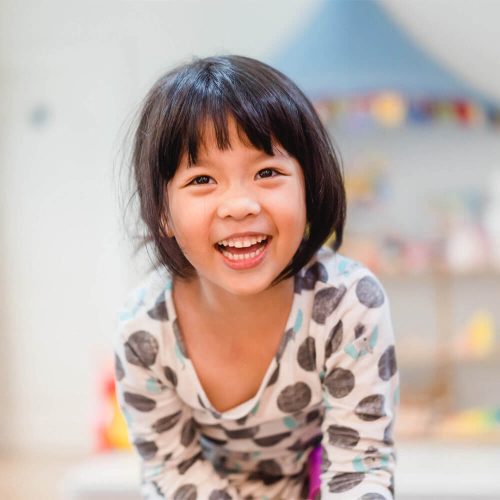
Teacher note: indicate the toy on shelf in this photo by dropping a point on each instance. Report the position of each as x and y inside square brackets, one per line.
[472, 423]
[110, 426]
[477, 338]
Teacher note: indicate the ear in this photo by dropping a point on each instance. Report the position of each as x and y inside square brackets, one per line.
[166, 226]
[307, 231]
[168, 231]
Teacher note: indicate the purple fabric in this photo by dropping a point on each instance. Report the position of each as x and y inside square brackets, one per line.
[314, 472]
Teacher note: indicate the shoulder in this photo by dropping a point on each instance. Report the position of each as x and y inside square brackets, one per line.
[339, 282]
[145, 306]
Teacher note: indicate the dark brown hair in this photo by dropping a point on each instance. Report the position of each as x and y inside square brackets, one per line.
[268, 108]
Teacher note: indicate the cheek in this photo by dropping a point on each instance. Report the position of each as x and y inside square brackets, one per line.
[190, 224]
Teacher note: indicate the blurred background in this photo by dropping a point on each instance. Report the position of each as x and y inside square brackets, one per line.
[410, 91]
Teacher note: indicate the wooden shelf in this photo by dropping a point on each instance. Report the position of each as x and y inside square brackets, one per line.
[443, 272]
[423, 355]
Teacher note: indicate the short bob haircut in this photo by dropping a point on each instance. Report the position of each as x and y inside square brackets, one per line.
[268, 108]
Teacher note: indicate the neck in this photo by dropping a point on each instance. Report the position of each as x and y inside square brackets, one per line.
[242, 314]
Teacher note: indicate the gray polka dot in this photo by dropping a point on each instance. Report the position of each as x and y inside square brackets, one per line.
[170, 375]
[359, 330]
[188, 432]
[119, 371]
[248, 433]
[369, 292]
[294, 397]
[345, 437]
[345, 481]
[391, 486]
[388, 434]
[140, 403]
[157, 488]
[316, 272]
[183, 466]
[219, 495]
[339, 382]
[371, 408]
[141, 349]
[146, 449]
[242, 420]
[159, 311]
[312, 416]
[325, 461]
[268, 471]
[312, 442]
[271, 440]
[287, 336]
[325, 302]
[372, 496]
[334, 340]
[274, 376]
[166, 423]
[306, 355]
[179, 338]
[186, 492]
[297, 446]
[387, 365]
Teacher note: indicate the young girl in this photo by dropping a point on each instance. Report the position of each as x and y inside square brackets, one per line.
[250, 344]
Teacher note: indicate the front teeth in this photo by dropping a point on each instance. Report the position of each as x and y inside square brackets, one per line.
[243, 256]
[243, 242]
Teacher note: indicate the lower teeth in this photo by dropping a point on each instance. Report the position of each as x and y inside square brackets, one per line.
[244, 256]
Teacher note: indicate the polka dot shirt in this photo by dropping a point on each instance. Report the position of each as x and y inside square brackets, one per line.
[332, 382]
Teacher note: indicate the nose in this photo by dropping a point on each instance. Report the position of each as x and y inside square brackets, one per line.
[238, 207]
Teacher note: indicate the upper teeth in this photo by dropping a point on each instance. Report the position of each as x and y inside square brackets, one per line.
[243, 242]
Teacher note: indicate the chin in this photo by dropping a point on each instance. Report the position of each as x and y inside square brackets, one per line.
[246, 286]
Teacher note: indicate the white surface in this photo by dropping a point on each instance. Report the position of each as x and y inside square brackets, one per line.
[430, 470]
[113, 476]
[462, 34]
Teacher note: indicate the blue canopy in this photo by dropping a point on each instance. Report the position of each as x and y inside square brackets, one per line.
[354, 47]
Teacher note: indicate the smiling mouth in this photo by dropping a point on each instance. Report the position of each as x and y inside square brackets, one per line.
[250, 252]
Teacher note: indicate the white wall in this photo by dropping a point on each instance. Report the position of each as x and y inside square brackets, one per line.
[65, 263]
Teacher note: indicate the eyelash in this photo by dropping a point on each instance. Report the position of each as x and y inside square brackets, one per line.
[193, 182]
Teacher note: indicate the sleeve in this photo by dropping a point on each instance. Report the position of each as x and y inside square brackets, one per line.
[360, 384]
[161, 426]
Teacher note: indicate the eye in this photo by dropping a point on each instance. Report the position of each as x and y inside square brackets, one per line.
[267, 172]
[201, 179]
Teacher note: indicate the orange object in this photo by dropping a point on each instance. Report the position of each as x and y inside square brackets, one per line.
[111, 427]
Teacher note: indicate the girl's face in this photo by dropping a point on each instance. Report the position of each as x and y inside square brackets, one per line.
[238, 215]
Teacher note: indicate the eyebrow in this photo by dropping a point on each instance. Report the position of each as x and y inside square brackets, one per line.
[258, 155]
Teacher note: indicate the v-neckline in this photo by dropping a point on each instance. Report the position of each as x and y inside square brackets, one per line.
[245, 407]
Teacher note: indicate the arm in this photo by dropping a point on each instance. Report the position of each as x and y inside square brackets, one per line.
[360, 391]
[161, 426]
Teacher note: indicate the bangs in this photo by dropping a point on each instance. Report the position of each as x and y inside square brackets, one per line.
[263, 115]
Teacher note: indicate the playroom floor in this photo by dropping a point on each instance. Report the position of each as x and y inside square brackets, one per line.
[30, 477]
[426, 471]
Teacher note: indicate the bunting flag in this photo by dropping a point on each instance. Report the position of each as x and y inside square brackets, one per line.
[390, 109]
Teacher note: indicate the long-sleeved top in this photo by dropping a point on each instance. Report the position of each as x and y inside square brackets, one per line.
[333, 382]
